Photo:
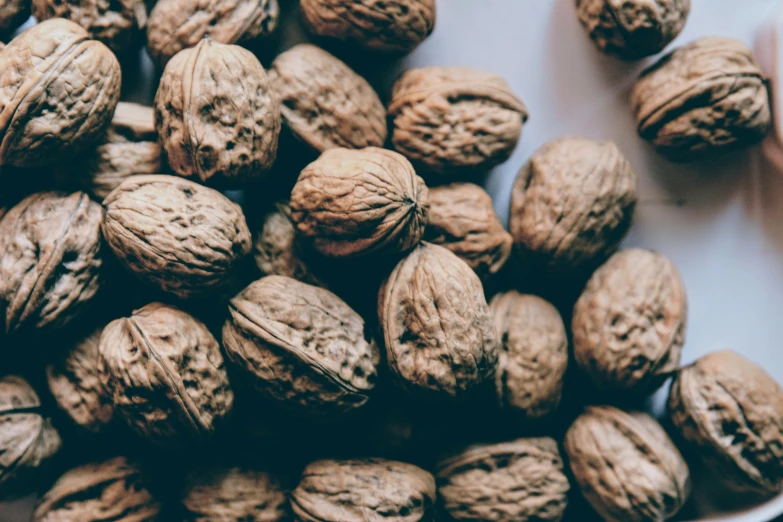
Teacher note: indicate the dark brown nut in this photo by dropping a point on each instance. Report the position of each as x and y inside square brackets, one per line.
[50, 260]
[325, 104]
[175, 25]
[58, 91]
[703, 97]
[730, 410]
[626, 466]
[516, 481]
[217, 119]
[165, 374]
[27, 439]
[13, 13]
[632, 29]
[439, 337]
[112, 490]
[179, 235]
[304, 347]
[533, 355]
[370, 490]
[571, 205]
[388, 25]
[462, 219]
[352, 202]
[455, 119]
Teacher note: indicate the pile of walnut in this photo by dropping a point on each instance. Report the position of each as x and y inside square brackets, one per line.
[216, 368]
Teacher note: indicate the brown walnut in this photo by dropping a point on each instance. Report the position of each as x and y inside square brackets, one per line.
[730, 410]
[58, 91]
[165, 374]
[13, 13]
[325, 104]
[626, 466]
[705, 96]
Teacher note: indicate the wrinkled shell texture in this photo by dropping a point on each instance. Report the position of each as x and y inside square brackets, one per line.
[58, 91]
[75, 383]
[304, 346]
[325, 103]
[352, 202]
[178, 235]
[571, 205]
[632, 29]
[27, 440]
[216, 116]
[629, 323]
[371, 490]
[517, 481]
[383, 25]
[178, 24]
[705, 96]
[50, 260]
[165, 373]
[532, 356]
[626, 465]
[439, 337]
[462, 219]
[731, 410]
[455, 118]
[110, 491]
[13, 13]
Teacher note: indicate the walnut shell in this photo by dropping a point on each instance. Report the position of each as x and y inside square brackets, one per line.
[165, 373]
[533, 355]
[388, 25]
[50, 260]
[626, 466]
[304, 347]
[58, 91]
[516, 481]
[325, 104]
[730, 410]
[451, 119]
[571, 205]
[178, 235]
[352, 202]
[462, 219]
[439, 337]
[705, 96]
[27, 439]
[112, 490]
[632, 29]
[175, 25]
[13, 13]
[368, 490]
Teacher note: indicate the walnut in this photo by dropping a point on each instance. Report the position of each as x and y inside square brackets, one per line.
[304, 347]
[703, 97]
[58, 91]
[98, 492]
[632, 29]
[388, 25]
[462, 219]
[729, 409]
[13, 13]
[352, 202]
[533, 355]
[50, 260]
[325, 104]
[183, 237]
[165, 374]
[455, 119]
[178, 24]
[27, 439]
[571, 205]
[626, 465]
[371, 490]
[439, 337]
[629, 323]
[516, 481]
